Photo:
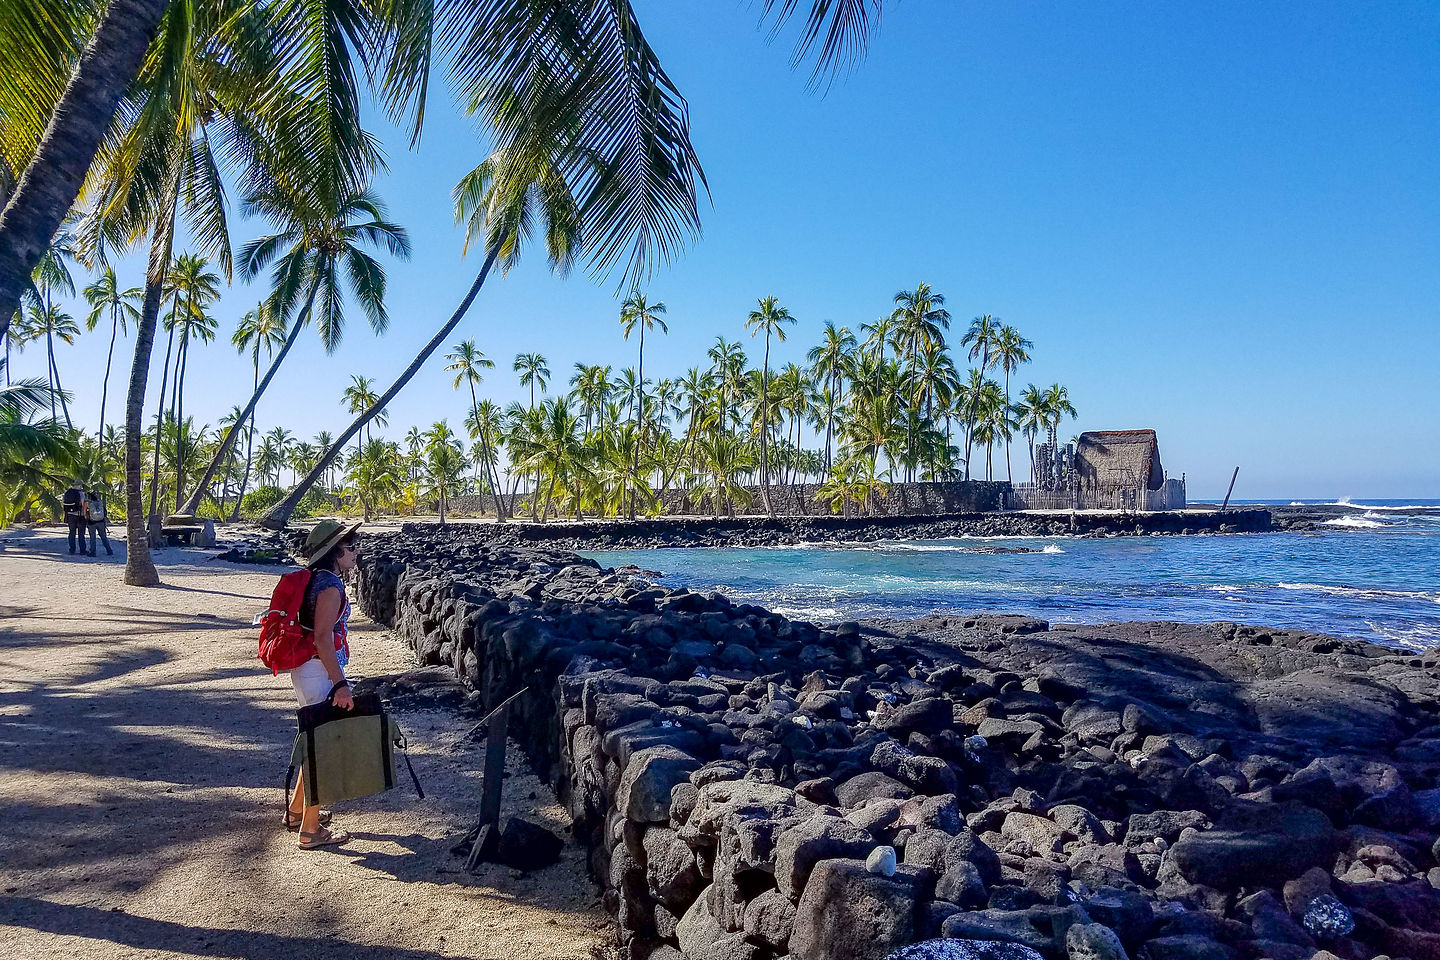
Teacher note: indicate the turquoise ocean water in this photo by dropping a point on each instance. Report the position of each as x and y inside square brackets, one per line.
[1372, 575]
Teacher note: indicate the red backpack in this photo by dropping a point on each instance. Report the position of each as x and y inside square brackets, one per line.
[284, 643]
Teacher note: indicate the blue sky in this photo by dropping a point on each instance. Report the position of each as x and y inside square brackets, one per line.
[1219, 220]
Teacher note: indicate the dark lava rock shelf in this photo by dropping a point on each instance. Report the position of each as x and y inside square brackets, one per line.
[649, 533]
[751, 787]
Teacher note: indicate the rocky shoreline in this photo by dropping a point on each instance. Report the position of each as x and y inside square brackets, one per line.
[653, 533]
[751, 787]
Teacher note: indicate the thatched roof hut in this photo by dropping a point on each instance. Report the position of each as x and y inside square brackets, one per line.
[1111, 458]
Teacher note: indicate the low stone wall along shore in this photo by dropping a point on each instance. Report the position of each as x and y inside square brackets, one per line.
[751, 787]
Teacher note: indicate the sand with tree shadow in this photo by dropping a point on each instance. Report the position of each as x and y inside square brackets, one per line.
[144, 748]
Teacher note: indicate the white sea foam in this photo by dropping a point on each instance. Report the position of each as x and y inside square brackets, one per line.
[1369, 593]
[1051, 548]
[1356, 523]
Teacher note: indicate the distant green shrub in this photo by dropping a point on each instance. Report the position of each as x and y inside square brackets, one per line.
[259, 500]
[314, 504]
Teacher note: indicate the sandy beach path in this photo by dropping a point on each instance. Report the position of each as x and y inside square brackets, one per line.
[142, 749]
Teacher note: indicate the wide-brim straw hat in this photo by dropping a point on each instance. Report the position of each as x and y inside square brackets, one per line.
[324, 537]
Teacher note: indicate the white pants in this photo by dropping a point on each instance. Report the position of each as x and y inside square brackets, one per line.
[312, 682]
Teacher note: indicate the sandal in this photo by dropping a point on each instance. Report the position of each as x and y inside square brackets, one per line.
[292, 821]
[322, 838]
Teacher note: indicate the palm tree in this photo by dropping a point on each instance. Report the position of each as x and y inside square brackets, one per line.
[360, 396]
[532, 369]
[467, 362]
[828, 362]
[54, 324]
[319, 251]
[36, 457]
[1058, 405]
[375, 473]
[638, 311]
[279, 440]
[772, 318]
[444, 462]
[585, 143]
[72, 132]
[980, 338]
[51, 274]
[259, 329]
[1033, 415]
[1011, 350]
[612, 75]
[105, 297]
[191, 280]
[920, 318]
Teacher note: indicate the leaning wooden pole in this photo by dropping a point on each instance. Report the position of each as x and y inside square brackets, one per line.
[1231, 490]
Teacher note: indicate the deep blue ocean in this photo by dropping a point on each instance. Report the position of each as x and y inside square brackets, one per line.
[1373, 574]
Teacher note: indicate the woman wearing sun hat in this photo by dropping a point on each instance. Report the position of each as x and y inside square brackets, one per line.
[330, 549]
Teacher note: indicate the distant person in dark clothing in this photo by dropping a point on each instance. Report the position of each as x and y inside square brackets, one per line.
[74, 506]
[95, 520]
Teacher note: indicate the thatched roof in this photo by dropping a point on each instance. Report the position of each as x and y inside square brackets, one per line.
[1119, 458]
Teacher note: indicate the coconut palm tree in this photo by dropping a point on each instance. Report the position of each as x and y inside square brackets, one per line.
[610, 70]
[444, 463]
[105, 298]
[259, 329]
[1033, 415]
[1058, 406]
[829, 361]
[589, 148]
[533, 370]
[199, 288]
[53, 323]
[1011, 350]
[359, 396]
[318, 253]
[772, 318]
[376, 474]
[467, 362]
[637, 311]
[32, 452]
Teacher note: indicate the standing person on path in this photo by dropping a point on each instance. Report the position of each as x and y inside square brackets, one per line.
[95, 521]
[325, 613]
[74, 508]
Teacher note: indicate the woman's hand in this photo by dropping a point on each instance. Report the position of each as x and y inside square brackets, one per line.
[342, 699]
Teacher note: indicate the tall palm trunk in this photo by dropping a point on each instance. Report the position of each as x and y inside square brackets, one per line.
[139, 568]
[279, 515]
[160, 418]
[1009, 476]
[249, 443]
[491, 478]
[765, 428]
[180, 364]
[260, 387]
[640, 435]
[48, 187]
[109, 356]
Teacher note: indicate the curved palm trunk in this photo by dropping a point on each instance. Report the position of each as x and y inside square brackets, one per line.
[49, 186]
[277, 516]
[249, 412]
[139, 568]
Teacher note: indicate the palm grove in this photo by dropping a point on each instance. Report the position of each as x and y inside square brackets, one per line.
[149, 125]
[885, 404]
